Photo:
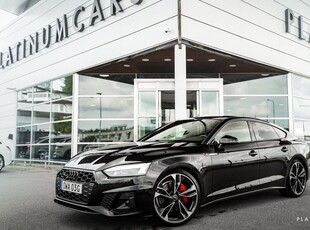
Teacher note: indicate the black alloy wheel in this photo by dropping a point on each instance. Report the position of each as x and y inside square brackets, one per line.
[176, 198]
[1, 162]
[296, 181]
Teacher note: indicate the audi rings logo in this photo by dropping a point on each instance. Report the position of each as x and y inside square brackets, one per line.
[71, 174]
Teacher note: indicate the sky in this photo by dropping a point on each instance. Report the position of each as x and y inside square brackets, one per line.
[5, 18]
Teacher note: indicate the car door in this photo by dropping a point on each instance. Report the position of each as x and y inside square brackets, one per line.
[235, 164]
[274, 151]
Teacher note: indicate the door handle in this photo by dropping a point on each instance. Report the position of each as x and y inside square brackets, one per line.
[284, 149]
[253, 153]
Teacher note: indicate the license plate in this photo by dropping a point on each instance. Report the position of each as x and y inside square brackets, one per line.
[71, 187]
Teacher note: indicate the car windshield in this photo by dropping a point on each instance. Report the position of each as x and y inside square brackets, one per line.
[188, 131]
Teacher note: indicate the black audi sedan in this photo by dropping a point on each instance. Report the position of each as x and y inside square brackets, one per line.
[184, 165]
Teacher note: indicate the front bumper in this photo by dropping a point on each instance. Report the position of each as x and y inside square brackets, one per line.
[110, 197]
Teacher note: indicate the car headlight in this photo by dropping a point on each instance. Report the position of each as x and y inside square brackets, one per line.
[127, 170]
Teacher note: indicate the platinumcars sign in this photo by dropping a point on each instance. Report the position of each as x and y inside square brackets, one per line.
[290, 23]
[44, 38]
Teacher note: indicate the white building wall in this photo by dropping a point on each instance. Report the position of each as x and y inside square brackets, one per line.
[137, 28]
[251, 29]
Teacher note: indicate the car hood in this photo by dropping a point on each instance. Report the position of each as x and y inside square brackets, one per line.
[102, 158]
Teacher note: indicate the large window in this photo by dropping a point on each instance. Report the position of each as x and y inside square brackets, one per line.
[106, 110]
[301, 107]
[264, 98]
[44, 118]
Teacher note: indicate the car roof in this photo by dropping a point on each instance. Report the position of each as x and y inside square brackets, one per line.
[230, 118]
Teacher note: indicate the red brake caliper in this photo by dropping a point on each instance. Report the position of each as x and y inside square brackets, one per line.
[182, 188]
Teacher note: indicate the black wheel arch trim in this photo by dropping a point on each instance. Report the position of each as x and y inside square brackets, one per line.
[2, 160]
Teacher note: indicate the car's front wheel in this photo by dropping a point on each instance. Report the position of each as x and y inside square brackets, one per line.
[1, 162]
[296, 181]
[176, 197]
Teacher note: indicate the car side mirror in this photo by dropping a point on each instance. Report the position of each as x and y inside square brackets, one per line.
[227, 139]
[284, 141]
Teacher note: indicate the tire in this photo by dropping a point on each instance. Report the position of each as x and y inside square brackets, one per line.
[1, 162]
[296, 180]
[176, 198]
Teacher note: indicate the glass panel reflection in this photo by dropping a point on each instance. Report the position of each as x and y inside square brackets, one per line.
[61, 129]
[106, 85]
[268, 85]
[191, 103]
[41, 93]
[40, 133]
[262, 106]
[106, 131]
[23, 152]
[301, 86]
[61, 151]
[24, 98]
[302, 130]
[41, 113]
[62, 88]
[209, 103]
[24, 116]
[40, 152]
[62, 109]
[167, 107]
[146, 125]
[106, 107]
[147, 103]
[301, 108]
[281, 122]
[23, 135]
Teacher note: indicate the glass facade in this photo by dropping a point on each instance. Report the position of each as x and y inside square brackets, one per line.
[44, 120]
[111, 110]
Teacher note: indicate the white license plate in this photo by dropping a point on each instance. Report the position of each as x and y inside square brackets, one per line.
[71, 187]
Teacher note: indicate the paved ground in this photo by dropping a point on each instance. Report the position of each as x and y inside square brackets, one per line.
[26, 202]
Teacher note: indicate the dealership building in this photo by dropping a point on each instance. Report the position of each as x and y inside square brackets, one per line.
[78, 74]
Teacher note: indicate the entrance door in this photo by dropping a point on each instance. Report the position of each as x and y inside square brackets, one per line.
[155, 101]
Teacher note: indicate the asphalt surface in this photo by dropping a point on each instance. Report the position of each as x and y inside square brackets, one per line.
[27, 193]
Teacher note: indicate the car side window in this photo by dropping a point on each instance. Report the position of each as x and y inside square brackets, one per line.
[280, 133]
[238, 130]
[264, 131]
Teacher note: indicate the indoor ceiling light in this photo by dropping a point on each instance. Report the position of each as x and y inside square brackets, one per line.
[189, 59]
[232, 66]
[126, 65]
[145, 59]
[167, 59]
[265, 74]
[104, 75]
[211, 59]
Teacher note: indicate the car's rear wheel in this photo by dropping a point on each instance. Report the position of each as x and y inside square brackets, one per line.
[176, 197]
[1, 162]
[296, 181]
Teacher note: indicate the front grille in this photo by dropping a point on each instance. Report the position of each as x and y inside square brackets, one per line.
[76, 176]
[85, 178]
